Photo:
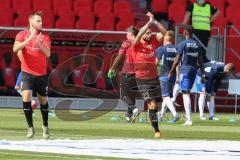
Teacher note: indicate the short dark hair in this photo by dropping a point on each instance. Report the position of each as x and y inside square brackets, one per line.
[133, 30]
[38, 13]
[188, 29]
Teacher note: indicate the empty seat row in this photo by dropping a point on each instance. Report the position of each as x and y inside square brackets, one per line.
[76, 5]
[69, 20]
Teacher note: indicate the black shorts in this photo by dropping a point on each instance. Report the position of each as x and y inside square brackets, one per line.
[150, 89]
[38, 84]
[128, 88]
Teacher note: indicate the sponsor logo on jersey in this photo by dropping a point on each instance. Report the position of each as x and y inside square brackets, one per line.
[195, 54]
[192, 45]
[173, 50]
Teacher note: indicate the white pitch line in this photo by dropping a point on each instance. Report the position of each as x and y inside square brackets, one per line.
[133, 148]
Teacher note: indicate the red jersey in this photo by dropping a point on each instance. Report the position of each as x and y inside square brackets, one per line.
[145, 59]
[33, 60]
[126, 49]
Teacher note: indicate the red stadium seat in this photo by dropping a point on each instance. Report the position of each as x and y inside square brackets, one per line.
[126, 15]
[232, 13]
[66, 20]
[6, 4]
[122, 6]
[83, 4]
[123, 25]
[62, 5]
[21, 4]
[85, 24]
[102, 6]
[48, 18]
[110, 2]
[86, 21]
[218, 3]
[42, 5]
[125, 20]
[220, 22]
[233, 2]
[106, 22]
[84, 9]
[6, 17]
[85, 13]
[176, 13]
[22, 17]
[160, 6]
[179, 3]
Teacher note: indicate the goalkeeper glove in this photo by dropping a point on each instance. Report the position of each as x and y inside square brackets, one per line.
[111, 74]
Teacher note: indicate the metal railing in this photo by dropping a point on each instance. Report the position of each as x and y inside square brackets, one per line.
[226, 29]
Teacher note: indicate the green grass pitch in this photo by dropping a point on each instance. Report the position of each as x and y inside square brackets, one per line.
[13, 127]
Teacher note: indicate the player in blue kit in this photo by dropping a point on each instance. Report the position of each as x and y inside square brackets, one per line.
[189, 53]
[165, 57]
[215, 72]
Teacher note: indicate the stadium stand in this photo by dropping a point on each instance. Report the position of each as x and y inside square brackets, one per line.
[62, 5]
[232, 13]
[220, 22]
[42, 5]
[106, 22]
[83, 5]
[163, 8]
[6, 17]
[22, 17]
[66, 19]
[233, 2]
[86, 20]
[173, 8]
[176, 13]
[126, 19]
[103, 6]
[6, 4]
[48, 18]
[21, 4]
[122, 6]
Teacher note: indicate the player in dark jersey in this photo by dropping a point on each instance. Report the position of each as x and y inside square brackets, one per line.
[127, 76]
[215, 72]
[165, 58]
[189, 53]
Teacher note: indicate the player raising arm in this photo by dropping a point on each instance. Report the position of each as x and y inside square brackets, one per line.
[144, 57]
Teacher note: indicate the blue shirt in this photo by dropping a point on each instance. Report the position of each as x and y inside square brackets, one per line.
[19, 79]
[214, 73]
[189, 50]
[166, 55]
